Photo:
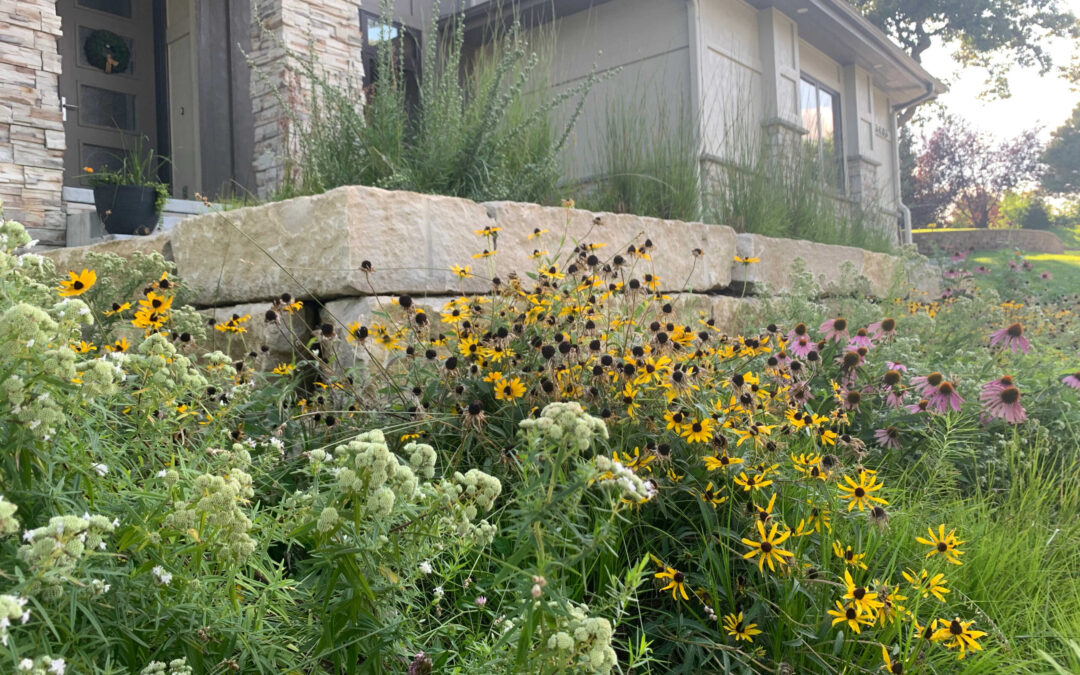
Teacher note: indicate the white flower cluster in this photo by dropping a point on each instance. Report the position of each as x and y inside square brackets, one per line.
[634, 489]
[215, 508]
[465, 497]
[174, 667]
[564, 423]
[43, 665]
[9, 524]
[52, 552]
[580, 643]
[11, 609]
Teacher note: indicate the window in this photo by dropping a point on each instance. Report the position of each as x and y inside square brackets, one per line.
[820, 109]
[404, 49]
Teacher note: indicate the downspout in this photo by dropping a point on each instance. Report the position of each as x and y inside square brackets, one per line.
[905, 212]
[696, 112]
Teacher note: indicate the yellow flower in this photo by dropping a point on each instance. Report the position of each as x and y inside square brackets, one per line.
[927, 585]
[568, 203]
[117, 308]
[83, 347]
[757, 432]
[713, 463]
[850, 614]
[958, 634]
[864, 599]
[484, 254]
[78, 284]
[508, 390]
[748, 483]
[733, 624]
[284, 369]
[676, 583]
[698, 431]
[746, 261]
[536, 233]
[461, 271]
[848, 555]
[768, 547]
[488, 231]
[234, 325]
[88, 169]
[119, 346]
[945, 544]
[156, 302]
[711, 496]
[861, 494]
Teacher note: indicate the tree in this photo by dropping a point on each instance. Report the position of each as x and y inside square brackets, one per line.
[995, 34]
[1062, 158]
[961, 171]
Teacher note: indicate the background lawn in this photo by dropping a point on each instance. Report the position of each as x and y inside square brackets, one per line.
[1063, 268]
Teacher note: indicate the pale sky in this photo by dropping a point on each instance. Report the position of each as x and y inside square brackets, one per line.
[1036, 100]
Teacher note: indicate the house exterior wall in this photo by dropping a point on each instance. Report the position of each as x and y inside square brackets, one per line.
[31, 127]
[731, 72]
[332, 29]
[642, 46]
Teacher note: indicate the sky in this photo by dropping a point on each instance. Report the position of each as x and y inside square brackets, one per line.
[1037, 101]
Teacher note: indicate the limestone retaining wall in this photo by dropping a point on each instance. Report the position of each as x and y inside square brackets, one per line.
[953, 241]
[349, 251]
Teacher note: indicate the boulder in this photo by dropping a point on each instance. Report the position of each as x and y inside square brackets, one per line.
[74, 259]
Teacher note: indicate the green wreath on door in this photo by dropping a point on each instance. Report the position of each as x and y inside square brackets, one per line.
[108, 51]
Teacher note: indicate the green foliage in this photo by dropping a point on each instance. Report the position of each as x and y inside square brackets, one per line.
[139, 166]
[475, 129]
[1062, 158]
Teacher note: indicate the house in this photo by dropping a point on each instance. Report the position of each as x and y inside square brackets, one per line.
[209, 84]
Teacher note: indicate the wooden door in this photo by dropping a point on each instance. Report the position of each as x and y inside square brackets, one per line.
[108, 103]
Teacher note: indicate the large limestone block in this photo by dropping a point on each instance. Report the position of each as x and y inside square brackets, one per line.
[730, 314]
[316, 246]
[672, 254]
[774, 269]
[74, 259]
[886, 273]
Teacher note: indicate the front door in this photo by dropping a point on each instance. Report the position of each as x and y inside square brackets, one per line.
[106, 82]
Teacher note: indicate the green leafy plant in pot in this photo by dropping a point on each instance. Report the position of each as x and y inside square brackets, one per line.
[129, 200]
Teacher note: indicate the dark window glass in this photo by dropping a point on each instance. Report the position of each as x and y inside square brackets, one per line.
[823, 142]
[106, 108]
[117, 7]
[101, 158]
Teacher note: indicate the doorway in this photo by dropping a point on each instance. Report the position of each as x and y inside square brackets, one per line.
[108, 83]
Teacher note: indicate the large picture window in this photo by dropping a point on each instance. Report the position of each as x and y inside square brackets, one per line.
[404, 49]
[824, 144]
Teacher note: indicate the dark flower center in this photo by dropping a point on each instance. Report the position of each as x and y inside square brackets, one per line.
[942, 547]
[934, 379]
[860, 493]
[888, 324]
[1010, 395]
[851, 359]
[800, 329]
[945, 388]
[696, 428]
[839, 324]
[678, 577]
[766, 547]
[892, 433]
[853, 397]
[850, 613]
[891, 377]
[78, 285]
[1015, 330]
[859, 593]
[955, 628]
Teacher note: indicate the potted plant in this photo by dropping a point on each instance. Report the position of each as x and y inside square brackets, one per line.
[129, 200]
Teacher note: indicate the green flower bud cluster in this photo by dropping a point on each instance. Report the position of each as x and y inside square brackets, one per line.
[54, 551]
[634, 489]
[464, 498]
[373, 476]
[584, 642]
[174, 667]
[98, 378]
[328, 520]
[421, 459]
[9, 524]
[213, 515]
[564, 423]
[12, 236]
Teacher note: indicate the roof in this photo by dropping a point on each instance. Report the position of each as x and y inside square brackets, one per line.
[832, 26]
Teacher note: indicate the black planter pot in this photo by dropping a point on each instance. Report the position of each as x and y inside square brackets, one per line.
[126, 209]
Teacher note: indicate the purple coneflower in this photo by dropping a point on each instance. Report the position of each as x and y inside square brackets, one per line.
[927, 384]
[860, 339]
[850, 359]
[882, 330]
[802, 346]
[1011, 337]
[850, 399]
[892, 365]
[945, 397]
[1046, 276]
[921, 406]
[895, 397]
[888, 438]
[799, 331]
[1072, 381]
[1005, 404]
[981, 269]
[958, 256]
[991, 388]
[834, 329]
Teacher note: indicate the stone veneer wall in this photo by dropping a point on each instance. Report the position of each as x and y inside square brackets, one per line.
[948, 242]
[332, 28]
[315, 248]
[31, 129]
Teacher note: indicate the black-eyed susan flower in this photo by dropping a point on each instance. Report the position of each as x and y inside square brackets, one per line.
[848, 555]
[757, 432]
[676, 582]
[739, 629]
[752, 482]
[850, 615]
[893, 667]
[957, 634]
[488, 231]
[861, 494]
[698, 431]
[117, 308]
[713, 496]
[926, 584]
[83, 347]
[283, 369]
[746, 260]
[946, 545]
[768, 547]
[118, 346]
[509, 390]
[723, 461]
[536, 233]
[484, 254]
[77, 284]
[460, 271]
[864, 599]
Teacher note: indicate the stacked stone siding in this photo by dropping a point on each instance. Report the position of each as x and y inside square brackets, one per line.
[31, 129]
[284, 29]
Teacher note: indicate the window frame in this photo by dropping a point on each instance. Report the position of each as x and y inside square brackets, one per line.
[370, 51]
[839, 181]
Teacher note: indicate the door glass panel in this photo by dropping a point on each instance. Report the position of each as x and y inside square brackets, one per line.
[84, 35]
[117, 7]
[101, 158]
[106, 108]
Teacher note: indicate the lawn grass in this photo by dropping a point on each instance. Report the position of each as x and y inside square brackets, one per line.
[1064, 269]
